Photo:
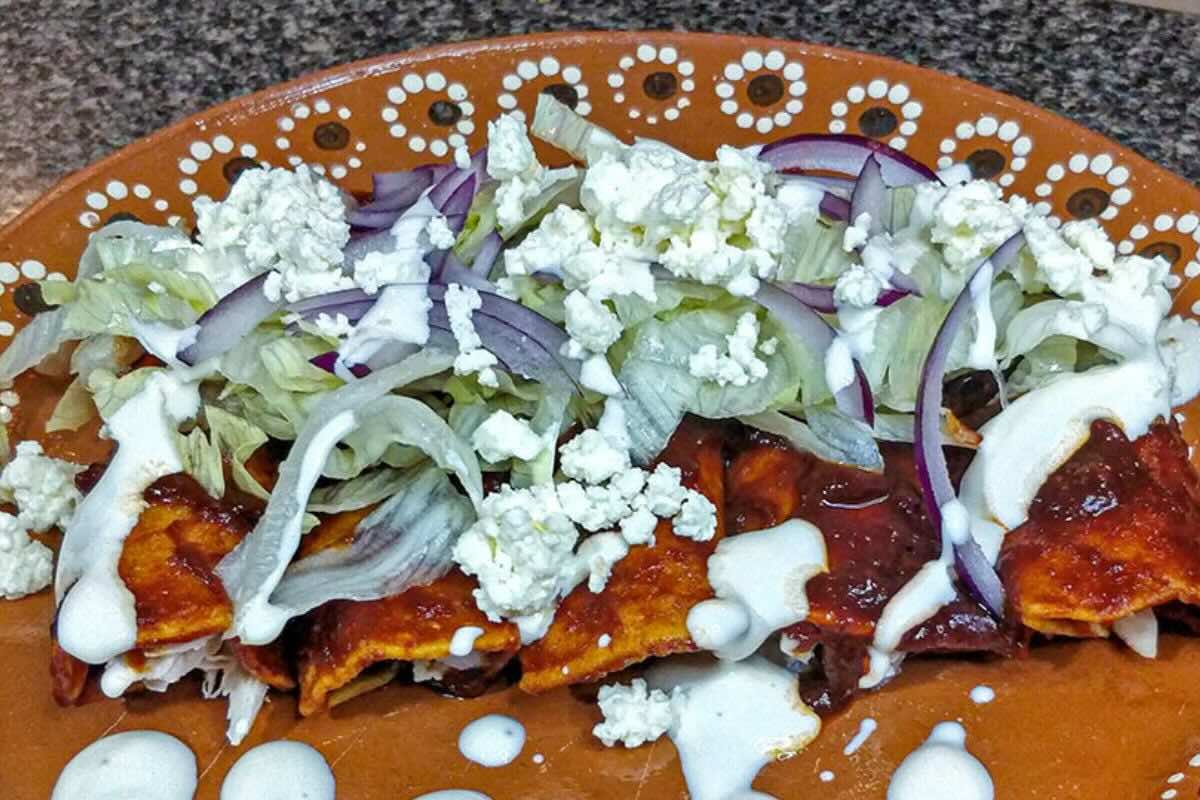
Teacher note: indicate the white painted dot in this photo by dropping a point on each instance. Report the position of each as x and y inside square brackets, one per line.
[249, 150]
[652, 120]
[454, 140]
[1194, 761]
[947, 146]
[616, 79]
[573, 74]
[1056, 172]
[671, 114]
[1042, 208]
[417, 144]
[435, 81]
[1164, 222]
[412, 83]
[354, 161]
[1117, 176]
[161, 205]
[1077, 163]
[1175, 778]
[296, 161]
[898, 94]
[724, 89]
[908, 127]
[1022, 146]
[683, 103]
[34, 270]
[282, 143]
[877, 88]
[467, 108]
[6, 329]
[1109, 212]
[581, 90]
[782, 118]
[188, 166]
[301, 111]
[794, 106]
[344, 113]
[964, 130]
[506, 101]
[511, 82]
[1017, 164]
[1006, 179]
[744, 120]
[439, 148]
[773, 60]
[856, 94]
[286, 124]
[668, 55]
[398, 130]
[1138, 232]
[527, 70]
[117, 190]
[201, 151]
[764, 124]
[1101, 164]
[1187, 223]
[687, 84]
[389, 114]
[634, 113]
[734, 72]
[1169, 794]
[945, 162]
[187, 186]
[1043, 190]
[1121, 195]
[898, 142]
[752, 60]
[465, 127]
[619, 97]
[626, 62]
[9, 272]
[396, 95]
[797, 88]
[1173, 281]
[322, 106]
[839, 109]
[686, 68]
[96, 200]
[222, 143]
[793, 71]
[837, 126]
[646, 53]
[1008, 131]
[729, 106]
[1191, 270]
[987, 126]
[911, 110]
[338, 171]
[141, 191]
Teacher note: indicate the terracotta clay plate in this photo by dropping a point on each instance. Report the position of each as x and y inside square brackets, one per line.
[1074, 720]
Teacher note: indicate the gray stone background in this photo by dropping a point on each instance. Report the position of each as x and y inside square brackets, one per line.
[81, 79]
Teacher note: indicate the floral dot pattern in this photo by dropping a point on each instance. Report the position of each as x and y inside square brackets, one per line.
[1174, 238]
[991, 147]
[549, 75]
[762, 91]
[1102, 194]
[427, 130]
[654, 84]
[880, 110]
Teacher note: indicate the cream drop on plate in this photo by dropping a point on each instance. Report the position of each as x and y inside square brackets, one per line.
[492, 741]
[280, 770]
[453, 794]
[865, 729]
[981, 695]
[732, 719]
[147, 765]
[942, 769]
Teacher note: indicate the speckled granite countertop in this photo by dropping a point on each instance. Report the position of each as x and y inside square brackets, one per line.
[79, 79]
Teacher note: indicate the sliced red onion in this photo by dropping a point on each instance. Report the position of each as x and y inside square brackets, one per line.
[448, 185]
[845, 154]
[452, 270]
[834, 207]
[329, 362]
[811, 328]
[936, 488]
[230, 321]
[389, 189]
[380, 241]
[841, 188]
[820, 298]
[486, 257]
[254, 568]
[869, 196]
[904, 283]
[456, 206]
[406, 542]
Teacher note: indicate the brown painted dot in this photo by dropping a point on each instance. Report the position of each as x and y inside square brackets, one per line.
[564, 93]
[660, 85]
[331, 136]
[1087, 203]
[123, 216]
[877, 121]
[765, 90]
[985, 163]
[234, 167]
[443, 112]
[28, 298]
[1168, 251]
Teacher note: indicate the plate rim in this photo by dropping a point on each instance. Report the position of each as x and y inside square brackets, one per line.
[278, 94]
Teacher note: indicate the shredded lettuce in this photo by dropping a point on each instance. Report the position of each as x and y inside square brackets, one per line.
[230, 440]
[370, 487]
